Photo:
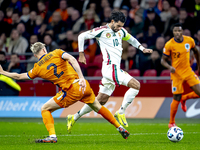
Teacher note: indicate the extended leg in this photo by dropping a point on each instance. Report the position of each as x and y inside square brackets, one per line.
[71, 119]
[173, 110]
[48, 120]
[104, 112]
[191, 95]
[128, 98]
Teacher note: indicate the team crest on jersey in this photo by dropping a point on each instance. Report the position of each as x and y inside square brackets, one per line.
[187, 46]
[91, 31]
[108, 35]
[119, 34]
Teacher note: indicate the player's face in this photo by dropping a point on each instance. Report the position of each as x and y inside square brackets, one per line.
[116, 26]
[178, 32]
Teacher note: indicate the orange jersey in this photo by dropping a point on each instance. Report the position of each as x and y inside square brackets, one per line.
[53, 68]
[180, 55]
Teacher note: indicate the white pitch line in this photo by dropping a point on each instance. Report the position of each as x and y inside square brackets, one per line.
[96, 134]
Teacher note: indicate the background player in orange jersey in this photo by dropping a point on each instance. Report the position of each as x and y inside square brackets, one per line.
[178, 49]
[55, 67]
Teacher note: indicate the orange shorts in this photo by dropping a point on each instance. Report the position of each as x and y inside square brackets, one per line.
[177, 83]
[72, 95]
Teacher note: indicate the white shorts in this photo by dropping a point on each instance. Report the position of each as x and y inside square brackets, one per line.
[113, 76]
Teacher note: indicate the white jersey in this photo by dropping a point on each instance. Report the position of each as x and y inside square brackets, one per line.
[110, 42]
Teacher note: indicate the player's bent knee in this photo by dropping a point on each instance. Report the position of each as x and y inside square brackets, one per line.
[138, 86]
[135, 85]
[102, 102]
[44, 107]
[102, 98]
[95, 106]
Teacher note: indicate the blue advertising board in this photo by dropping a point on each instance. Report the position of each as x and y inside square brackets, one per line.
[23, 106]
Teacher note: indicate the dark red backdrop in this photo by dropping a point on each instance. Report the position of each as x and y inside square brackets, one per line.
[151, 88]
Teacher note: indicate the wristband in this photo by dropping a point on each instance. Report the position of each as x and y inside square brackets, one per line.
[140, 47]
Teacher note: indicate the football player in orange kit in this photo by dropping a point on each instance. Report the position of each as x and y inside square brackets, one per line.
[55, 67]
[178, 49]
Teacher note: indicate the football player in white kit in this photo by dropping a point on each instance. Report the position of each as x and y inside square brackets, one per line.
[109, 38]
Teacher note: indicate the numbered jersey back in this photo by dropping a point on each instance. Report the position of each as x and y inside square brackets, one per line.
[53, 68]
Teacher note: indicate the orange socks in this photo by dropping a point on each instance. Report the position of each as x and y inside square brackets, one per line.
[108, 116]
[189, 96]
[173, 110]
[48, 121]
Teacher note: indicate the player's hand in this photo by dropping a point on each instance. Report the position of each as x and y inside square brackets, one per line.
[82, 84]
[147, 50]
[81, 58]
[172, 69]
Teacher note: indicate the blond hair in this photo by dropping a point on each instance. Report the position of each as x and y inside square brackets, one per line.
[37, 47]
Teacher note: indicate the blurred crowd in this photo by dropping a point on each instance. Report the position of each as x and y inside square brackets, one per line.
[58, 23]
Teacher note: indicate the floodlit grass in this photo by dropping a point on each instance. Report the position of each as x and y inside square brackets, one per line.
[97, 134]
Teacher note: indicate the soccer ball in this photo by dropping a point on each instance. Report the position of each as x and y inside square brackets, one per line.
[175, 134]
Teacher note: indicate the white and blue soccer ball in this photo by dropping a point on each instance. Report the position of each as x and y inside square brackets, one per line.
[175, 134]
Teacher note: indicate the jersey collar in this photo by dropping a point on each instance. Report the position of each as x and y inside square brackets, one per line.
[178, 41]
[109, 27]
[42, 56]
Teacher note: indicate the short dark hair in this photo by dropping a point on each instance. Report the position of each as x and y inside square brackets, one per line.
[2, 53]
[177, 25]
[118, 16]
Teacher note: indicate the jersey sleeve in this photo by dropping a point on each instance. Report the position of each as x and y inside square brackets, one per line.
[32, 73]
[167, 50]
[94, 33]
[59, 52]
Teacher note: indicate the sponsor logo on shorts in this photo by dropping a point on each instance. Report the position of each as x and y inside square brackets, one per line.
[174, 89]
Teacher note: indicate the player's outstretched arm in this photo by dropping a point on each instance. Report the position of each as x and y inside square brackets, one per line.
[134, 42]
[16, 76]
[76, 66]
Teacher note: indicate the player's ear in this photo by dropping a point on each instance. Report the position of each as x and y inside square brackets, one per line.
[44, 50]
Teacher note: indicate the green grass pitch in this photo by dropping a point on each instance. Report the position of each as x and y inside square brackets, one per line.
[97, 134]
